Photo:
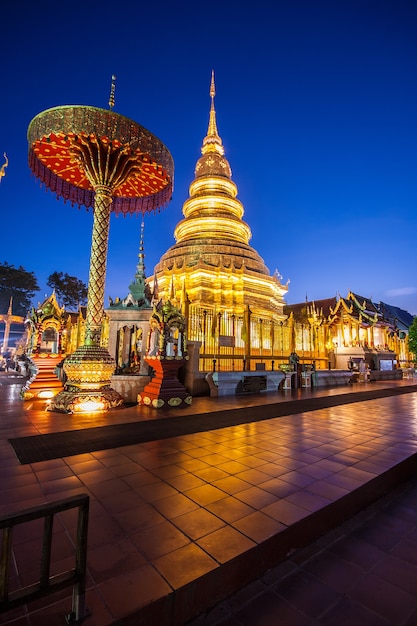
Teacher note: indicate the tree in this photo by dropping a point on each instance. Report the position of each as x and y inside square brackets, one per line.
[70, 290]
[412, 339]
[18, 283]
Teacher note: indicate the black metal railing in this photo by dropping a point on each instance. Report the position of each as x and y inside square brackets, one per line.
[47, 584]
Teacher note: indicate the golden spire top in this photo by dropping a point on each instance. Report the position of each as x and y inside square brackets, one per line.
[212, 141]
[112, 90]
[212, 87]
[141, 247]
[3, 167]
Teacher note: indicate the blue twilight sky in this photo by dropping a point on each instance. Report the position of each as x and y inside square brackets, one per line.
[316, 105]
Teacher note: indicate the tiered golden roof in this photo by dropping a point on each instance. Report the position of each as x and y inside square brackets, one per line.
[212, 255]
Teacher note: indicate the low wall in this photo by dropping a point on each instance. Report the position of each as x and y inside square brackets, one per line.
[331, 378]
[129, 386]
[240, 383]
[386, 374]
[231, 383]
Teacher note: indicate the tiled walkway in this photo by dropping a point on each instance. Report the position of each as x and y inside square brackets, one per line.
[363, 573]
[177, 525]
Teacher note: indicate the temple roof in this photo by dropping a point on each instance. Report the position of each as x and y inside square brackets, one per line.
[359, 308]
[302, 310]
[363, 303]
[139, 296]
[399, 318]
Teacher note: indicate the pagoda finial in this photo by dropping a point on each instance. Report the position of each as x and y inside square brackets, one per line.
[212, 87]
[112, 90]
[141, 244]
[3, 167]
[138, 287]
[212, 141]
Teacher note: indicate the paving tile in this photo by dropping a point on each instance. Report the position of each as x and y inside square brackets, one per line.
[386, 533]
[104, 562]
[121, 501]
[346, 612]
[307, 593]
[62, 485]
[128, 592]
[184, 565]
[96, 476]
[230, 509]
[257, 498]
[139, 479]
[82, 466]
[278, 487]
[18, 498]
[357, 551]
[334, 571]
[205, 494]
[406, 549]
[175, 505]
[385, 599]
[398, 572]
[231, 485]
[108, 488]
[327, 490]
[140, 517]
[11, 482]
[198, 523]
[310, 501]
[159, 540]
[155, 491]
[210, 474]
[269, 609]
[253, 476]
[234, 467]
[225, 544]
[258, 526]
[285, 512]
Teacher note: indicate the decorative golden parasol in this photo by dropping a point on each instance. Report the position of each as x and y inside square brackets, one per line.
[100, 159]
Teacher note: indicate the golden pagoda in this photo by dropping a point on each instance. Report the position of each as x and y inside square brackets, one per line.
[211, 269]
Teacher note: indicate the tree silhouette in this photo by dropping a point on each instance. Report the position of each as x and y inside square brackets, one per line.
[70, 290]
[18, 283]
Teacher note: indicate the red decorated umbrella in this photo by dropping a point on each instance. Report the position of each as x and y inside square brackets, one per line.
[98, 158]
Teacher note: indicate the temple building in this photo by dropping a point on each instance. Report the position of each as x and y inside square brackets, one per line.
[236, 312]
[212, 270]
[351, 329]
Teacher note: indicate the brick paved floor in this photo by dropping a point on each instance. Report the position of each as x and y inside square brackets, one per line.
[178, 525]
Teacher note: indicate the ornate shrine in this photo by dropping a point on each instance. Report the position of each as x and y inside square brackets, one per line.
[166, 352]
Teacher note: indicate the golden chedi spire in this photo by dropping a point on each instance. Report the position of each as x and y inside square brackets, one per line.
[212, 252]
[212, 141]
[212, 211]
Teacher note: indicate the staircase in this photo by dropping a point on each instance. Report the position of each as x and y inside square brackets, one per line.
[46, 384]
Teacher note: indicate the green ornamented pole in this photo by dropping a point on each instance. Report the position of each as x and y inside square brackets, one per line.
[98, 263]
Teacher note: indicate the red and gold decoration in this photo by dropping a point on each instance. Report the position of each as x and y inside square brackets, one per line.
[100, 159]
[166, 353]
